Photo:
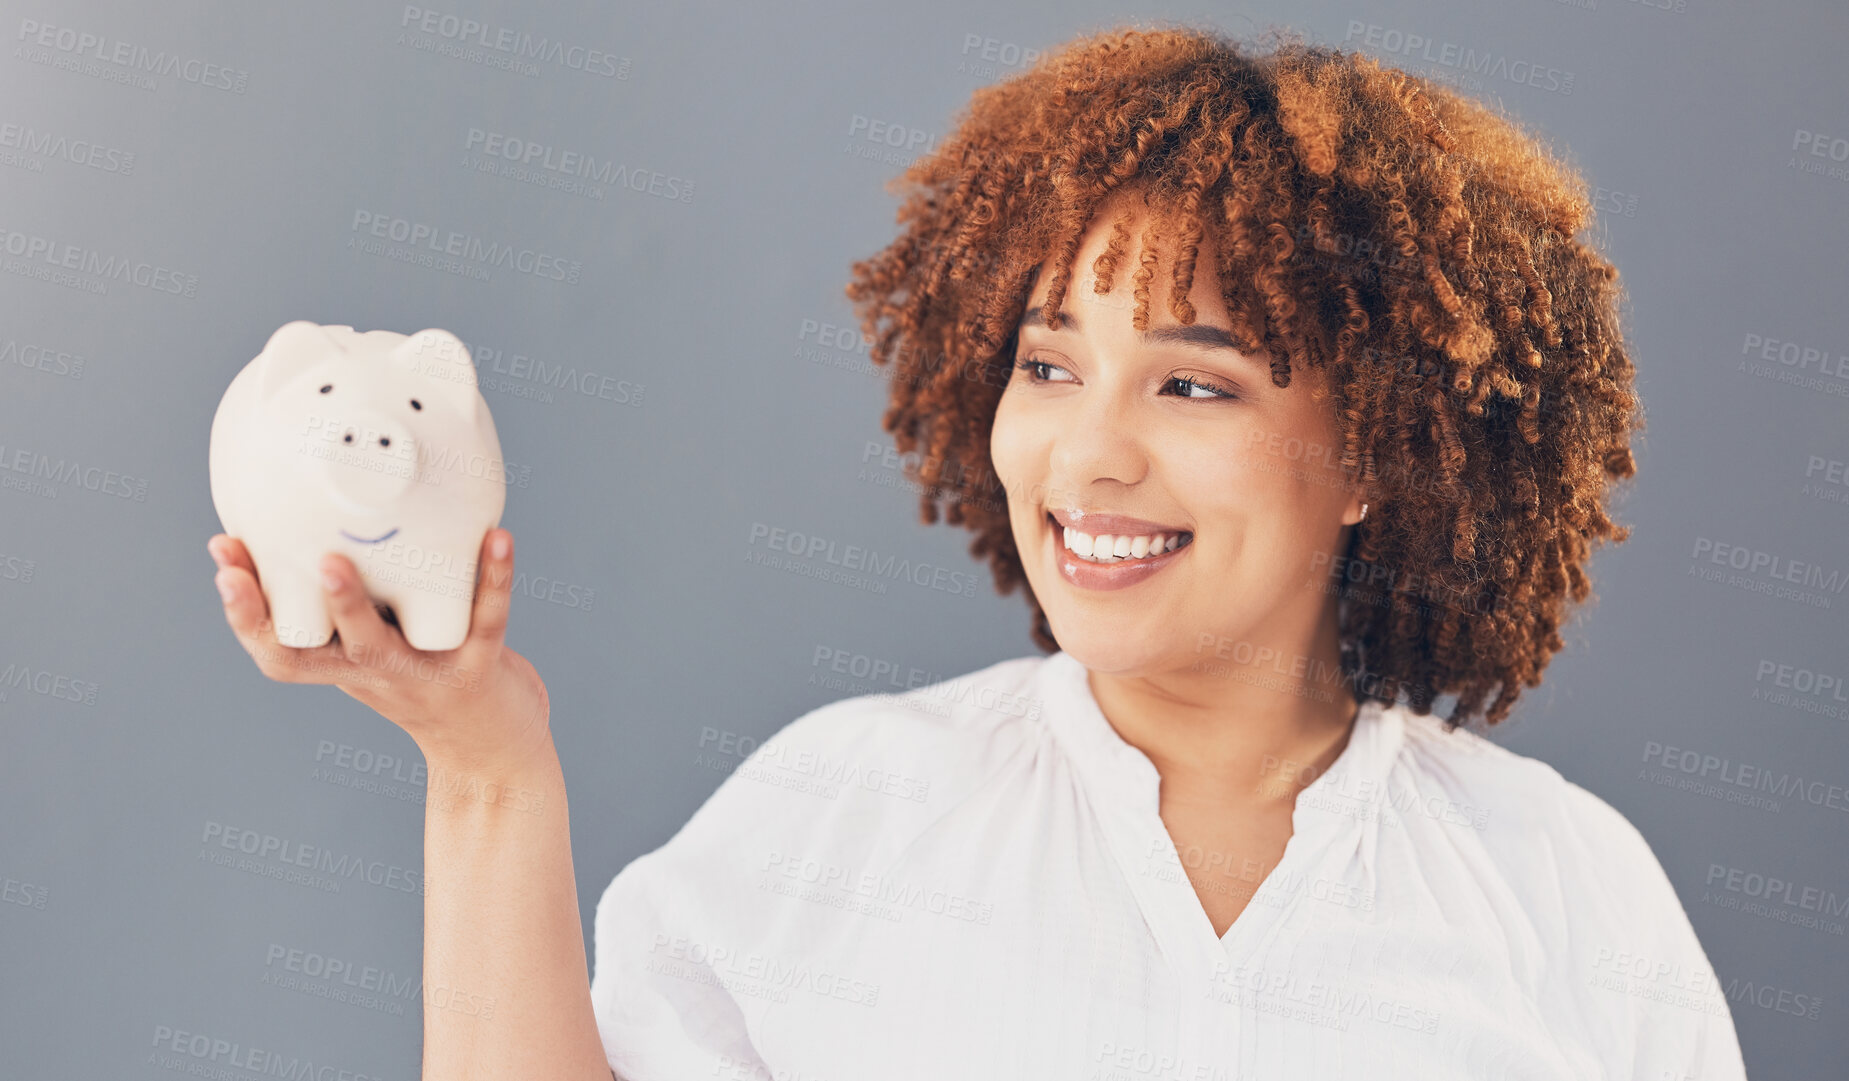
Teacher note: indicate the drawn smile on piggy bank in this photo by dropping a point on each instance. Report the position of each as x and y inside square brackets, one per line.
[387, 535]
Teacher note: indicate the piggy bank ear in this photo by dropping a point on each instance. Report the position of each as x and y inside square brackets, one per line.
[443, 363]
[294, 348]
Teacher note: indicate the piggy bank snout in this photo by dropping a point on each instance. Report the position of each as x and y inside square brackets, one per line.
[367, 458]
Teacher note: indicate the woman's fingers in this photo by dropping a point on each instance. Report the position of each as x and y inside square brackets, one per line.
[365, 639]
[227, 551]
[493, 589]
[248, 613]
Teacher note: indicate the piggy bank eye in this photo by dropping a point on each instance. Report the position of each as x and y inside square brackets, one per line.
[415, 404]
[327, 388]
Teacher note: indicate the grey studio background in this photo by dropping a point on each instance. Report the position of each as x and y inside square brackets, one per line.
[234, 157]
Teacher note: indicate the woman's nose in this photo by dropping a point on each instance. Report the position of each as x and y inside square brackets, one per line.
[1100, 439]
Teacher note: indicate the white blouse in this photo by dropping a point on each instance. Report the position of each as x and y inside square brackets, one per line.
[972, 880]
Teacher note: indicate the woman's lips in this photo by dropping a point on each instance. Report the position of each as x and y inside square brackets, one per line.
[1096, 523]
[1117, 574]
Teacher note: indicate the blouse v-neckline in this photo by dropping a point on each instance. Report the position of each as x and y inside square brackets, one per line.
[1338, 813]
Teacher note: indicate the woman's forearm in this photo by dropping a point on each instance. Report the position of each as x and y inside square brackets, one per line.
[506, 991]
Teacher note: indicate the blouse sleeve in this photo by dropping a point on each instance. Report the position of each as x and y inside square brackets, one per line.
[1638, 961]
[672, 926]
[661, 1011]
[681, 933]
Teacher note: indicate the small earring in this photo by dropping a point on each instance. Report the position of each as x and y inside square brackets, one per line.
[1363, 517]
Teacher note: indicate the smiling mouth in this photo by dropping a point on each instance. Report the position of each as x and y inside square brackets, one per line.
[1106, 549]
[363, 540]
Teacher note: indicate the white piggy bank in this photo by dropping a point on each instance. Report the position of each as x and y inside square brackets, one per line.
[375, 445]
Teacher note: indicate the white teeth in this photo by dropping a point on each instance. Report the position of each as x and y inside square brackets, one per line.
[1106, 548]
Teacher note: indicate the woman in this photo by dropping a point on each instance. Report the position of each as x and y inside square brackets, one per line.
[1281, 385]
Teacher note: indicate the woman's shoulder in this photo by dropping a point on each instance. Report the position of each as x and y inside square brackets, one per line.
[1520, 804]
[857, 778]
[1577, 887]
[919, 746]
[1540, 829]
[977, 703]
[804, 827]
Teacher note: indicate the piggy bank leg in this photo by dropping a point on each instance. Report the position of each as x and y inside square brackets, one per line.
[299, 610]
[435, 621]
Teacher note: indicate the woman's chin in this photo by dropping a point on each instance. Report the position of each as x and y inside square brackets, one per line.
[1108, 649]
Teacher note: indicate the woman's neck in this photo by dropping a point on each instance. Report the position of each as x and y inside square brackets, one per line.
[1230, 735]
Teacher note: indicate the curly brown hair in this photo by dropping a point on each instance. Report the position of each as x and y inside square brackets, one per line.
[1414, 244]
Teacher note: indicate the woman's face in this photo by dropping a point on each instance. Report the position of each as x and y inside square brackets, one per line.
[1186, 436]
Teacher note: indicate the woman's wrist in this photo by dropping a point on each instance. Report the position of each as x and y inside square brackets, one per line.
[506, 730]
[526, 778]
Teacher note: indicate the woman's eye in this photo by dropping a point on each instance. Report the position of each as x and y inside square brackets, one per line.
[1032, 368]
[1213, 390]
[1036, 373]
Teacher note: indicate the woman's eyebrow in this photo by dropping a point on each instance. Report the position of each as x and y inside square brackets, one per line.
[1203, 335]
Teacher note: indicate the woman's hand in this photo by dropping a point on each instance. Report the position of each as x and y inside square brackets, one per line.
[477, 707]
